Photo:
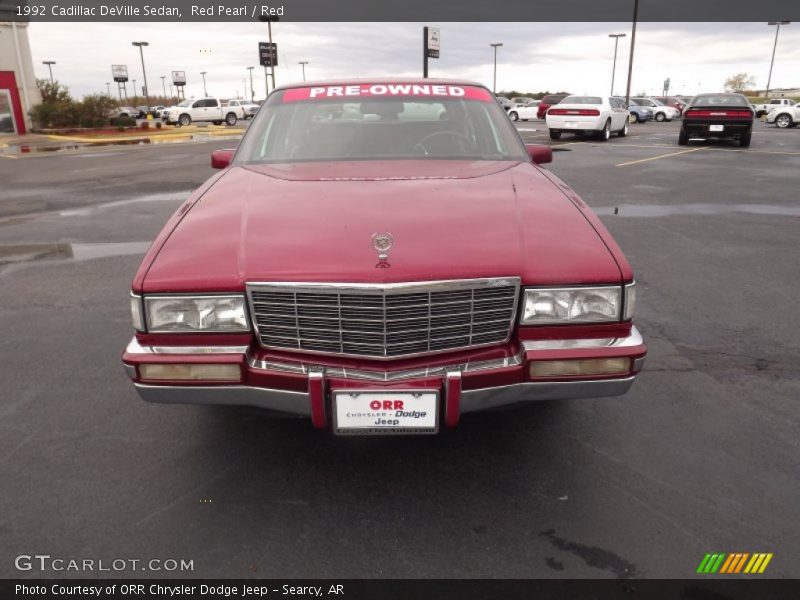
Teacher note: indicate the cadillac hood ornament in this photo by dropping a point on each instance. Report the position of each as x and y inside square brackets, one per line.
[382, 242]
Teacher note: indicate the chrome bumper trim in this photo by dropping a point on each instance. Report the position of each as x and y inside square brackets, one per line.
[229, 395]
[634, 339]
[534, 391]
[134, 347]
[298, 402]
[367, 375]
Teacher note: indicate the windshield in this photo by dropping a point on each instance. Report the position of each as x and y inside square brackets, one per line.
[731, 100]
[186, 103]
[582, 100]
[377, 121]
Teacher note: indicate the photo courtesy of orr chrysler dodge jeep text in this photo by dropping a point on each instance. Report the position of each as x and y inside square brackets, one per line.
[382, 257]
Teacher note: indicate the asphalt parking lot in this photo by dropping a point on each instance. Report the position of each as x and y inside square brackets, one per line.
[701, 456]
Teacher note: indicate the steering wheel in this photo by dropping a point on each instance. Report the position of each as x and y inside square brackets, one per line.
[421, 144]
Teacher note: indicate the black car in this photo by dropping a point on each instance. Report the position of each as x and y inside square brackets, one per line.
[718, 116]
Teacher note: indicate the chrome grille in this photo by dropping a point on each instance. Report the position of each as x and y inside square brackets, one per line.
[384, 321]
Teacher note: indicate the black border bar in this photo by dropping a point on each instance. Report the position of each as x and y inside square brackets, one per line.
[396, 11]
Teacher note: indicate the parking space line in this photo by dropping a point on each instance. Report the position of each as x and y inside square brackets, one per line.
[641, 160]
[8, 156]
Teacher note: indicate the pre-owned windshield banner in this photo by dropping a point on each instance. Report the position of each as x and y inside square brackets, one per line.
[387, 90]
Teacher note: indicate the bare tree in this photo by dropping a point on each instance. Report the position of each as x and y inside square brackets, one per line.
[739, 82]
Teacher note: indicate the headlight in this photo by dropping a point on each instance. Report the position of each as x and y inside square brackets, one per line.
[137, 316]
[198, 313]
[556, 306]
[630, 301]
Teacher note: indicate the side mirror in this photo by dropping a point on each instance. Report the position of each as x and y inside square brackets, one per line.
[221, 159]
[539, 154]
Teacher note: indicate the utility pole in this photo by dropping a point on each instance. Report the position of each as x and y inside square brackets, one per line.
[616, 37]
[774, 47]
[494, 77]
[144, 72]
[49, 64]
[633, 44]
[252, 91]
[303, 64]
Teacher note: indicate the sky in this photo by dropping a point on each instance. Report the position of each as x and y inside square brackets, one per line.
[572, 57]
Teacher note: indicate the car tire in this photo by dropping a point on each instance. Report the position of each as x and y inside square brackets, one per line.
[661, 117]
[783, 121]
[217, 122]
[555, 135]
[605, 134]
[634, 118]
[513, 115]
[230, 119]
[744, 141]
[683, 137]
[624, 131]
[184, 120]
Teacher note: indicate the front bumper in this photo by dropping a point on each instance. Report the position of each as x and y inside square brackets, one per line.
[302, 388]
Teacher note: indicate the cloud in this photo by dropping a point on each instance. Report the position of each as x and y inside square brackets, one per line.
[575, 57]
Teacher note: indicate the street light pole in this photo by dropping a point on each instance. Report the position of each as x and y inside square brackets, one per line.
[774, 46]
[134, 90]
[49, 64]
[108, 88]
[141, 45]
[164, 86]
[203, 73]
[252, 91]
[616, 37]
[303, 64]
[633, 44]
[494, 78]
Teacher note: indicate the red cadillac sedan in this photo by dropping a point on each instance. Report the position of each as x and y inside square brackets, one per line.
[382, 257]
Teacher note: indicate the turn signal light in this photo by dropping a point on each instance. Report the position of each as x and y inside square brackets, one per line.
[175, 372]
[578, 368]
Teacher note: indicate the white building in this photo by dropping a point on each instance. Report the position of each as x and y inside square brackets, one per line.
[18, 91]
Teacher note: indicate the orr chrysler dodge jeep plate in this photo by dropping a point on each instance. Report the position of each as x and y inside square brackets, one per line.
[376, 413]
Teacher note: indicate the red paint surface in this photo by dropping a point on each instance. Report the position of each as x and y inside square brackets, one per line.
[9, 82]
[314, 222]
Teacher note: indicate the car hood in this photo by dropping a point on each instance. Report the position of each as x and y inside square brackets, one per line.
[314, 222]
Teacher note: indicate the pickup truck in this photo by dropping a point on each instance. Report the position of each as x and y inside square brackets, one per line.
[786, 115]
[201, 110]
[243, 108]
[763, 109]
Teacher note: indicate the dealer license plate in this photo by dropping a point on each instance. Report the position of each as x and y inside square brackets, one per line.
[716, 127]
[385, 413]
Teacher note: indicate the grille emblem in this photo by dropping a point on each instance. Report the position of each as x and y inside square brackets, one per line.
[382, 242]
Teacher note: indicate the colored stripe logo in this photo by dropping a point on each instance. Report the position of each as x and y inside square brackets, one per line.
[735, 562]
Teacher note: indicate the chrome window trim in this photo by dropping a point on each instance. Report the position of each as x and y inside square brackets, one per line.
[147, 297]
[443, 285]
[620, 289]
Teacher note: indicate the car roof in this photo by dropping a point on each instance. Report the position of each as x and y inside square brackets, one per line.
[378, 80]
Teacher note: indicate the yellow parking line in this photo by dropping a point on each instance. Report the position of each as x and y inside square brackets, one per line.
[641, 160]
[8, 156]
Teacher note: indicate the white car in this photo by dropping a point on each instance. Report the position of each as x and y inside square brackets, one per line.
[201, 110]
[661, 112]
[786, 115]
[245, 109]
[596, 115]
[525, 112]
